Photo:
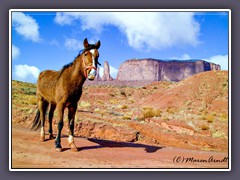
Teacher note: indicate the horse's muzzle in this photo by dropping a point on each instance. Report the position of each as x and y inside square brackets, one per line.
[90, 72]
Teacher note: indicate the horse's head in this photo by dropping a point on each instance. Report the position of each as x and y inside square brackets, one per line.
[90, 59]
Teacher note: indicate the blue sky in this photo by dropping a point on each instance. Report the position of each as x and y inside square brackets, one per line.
[49, 40]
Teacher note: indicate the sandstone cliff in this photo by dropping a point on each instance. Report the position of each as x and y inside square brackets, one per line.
[159, 70]
[106, 72]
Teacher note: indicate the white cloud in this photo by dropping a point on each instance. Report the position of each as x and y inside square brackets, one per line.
[73, 44]
[183, 57]
[26, 26]
[222, 60]
[15, 52]
[143, 30]
[26, 73]
[113, 71]
[65, 20]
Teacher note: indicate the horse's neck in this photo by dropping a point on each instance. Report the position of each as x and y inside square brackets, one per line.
[78, 71]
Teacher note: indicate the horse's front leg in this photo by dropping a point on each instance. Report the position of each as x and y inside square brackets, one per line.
[60, 110]
[71, 116]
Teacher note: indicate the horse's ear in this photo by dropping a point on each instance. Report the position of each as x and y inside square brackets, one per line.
[85, 43]
[98, 44]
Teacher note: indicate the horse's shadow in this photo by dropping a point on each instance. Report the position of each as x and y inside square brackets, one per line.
[113, 144]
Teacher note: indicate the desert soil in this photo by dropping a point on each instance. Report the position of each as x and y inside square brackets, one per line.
[29, 152]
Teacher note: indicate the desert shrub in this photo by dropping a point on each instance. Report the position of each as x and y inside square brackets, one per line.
[124, 106]
[218, 134]
[126, 117]
[204, 127]
[28, 90]
[210, 118]
[113, 101]
[223, 117]
[214, 114]
[155, 87]
[123, 93]
[33, 101]
[170, 110]
[224, 85]
[150, 112]
[132, 101]
[165, 118]
[100, 102]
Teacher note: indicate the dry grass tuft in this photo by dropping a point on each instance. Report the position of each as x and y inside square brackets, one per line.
[123, 106]
[149, 112]
[204, 127]
[84, 104]
[170, 110]
[218, 134]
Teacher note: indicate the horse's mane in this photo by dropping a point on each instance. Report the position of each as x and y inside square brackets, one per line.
[69, 64]
[63, 68]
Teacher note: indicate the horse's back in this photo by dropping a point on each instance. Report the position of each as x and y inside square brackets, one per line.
[46, 85]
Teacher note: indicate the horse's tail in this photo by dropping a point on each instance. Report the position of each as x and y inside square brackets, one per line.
[36, 122]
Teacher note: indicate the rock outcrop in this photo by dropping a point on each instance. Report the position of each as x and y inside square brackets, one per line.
[103, 130]
[159, 70]
[106, 72]
[97, 78]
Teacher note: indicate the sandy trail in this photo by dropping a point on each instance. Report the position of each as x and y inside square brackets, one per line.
[29, 152]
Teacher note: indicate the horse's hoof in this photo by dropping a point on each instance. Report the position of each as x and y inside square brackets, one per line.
[58, 149]
[51, 137]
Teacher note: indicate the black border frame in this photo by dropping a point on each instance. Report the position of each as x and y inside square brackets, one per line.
[5, 5]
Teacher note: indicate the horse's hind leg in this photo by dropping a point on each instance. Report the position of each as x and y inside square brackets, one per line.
[71, 116]
[42, 105]
[50, 117]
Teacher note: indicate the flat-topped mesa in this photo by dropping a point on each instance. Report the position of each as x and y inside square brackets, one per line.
[162, 70]
[106, 72]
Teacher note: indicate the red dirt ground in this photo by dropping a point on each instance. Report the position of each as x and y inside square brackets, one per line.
[29, 152]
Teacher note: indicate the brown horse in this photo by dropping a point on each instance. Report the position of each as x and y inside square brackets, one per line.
[63, 89]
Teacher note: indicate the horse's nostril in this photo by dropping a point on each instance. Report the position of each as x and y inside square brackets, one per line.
[92, 72]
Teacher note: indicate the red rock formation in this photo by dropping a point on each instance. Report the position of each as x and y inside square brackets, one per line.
[158, 70]
[97, 78]
[106, 72]
[101, 130]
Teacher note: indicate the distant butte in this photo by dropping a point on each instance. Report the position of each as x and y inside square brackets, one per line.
[162, 70]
